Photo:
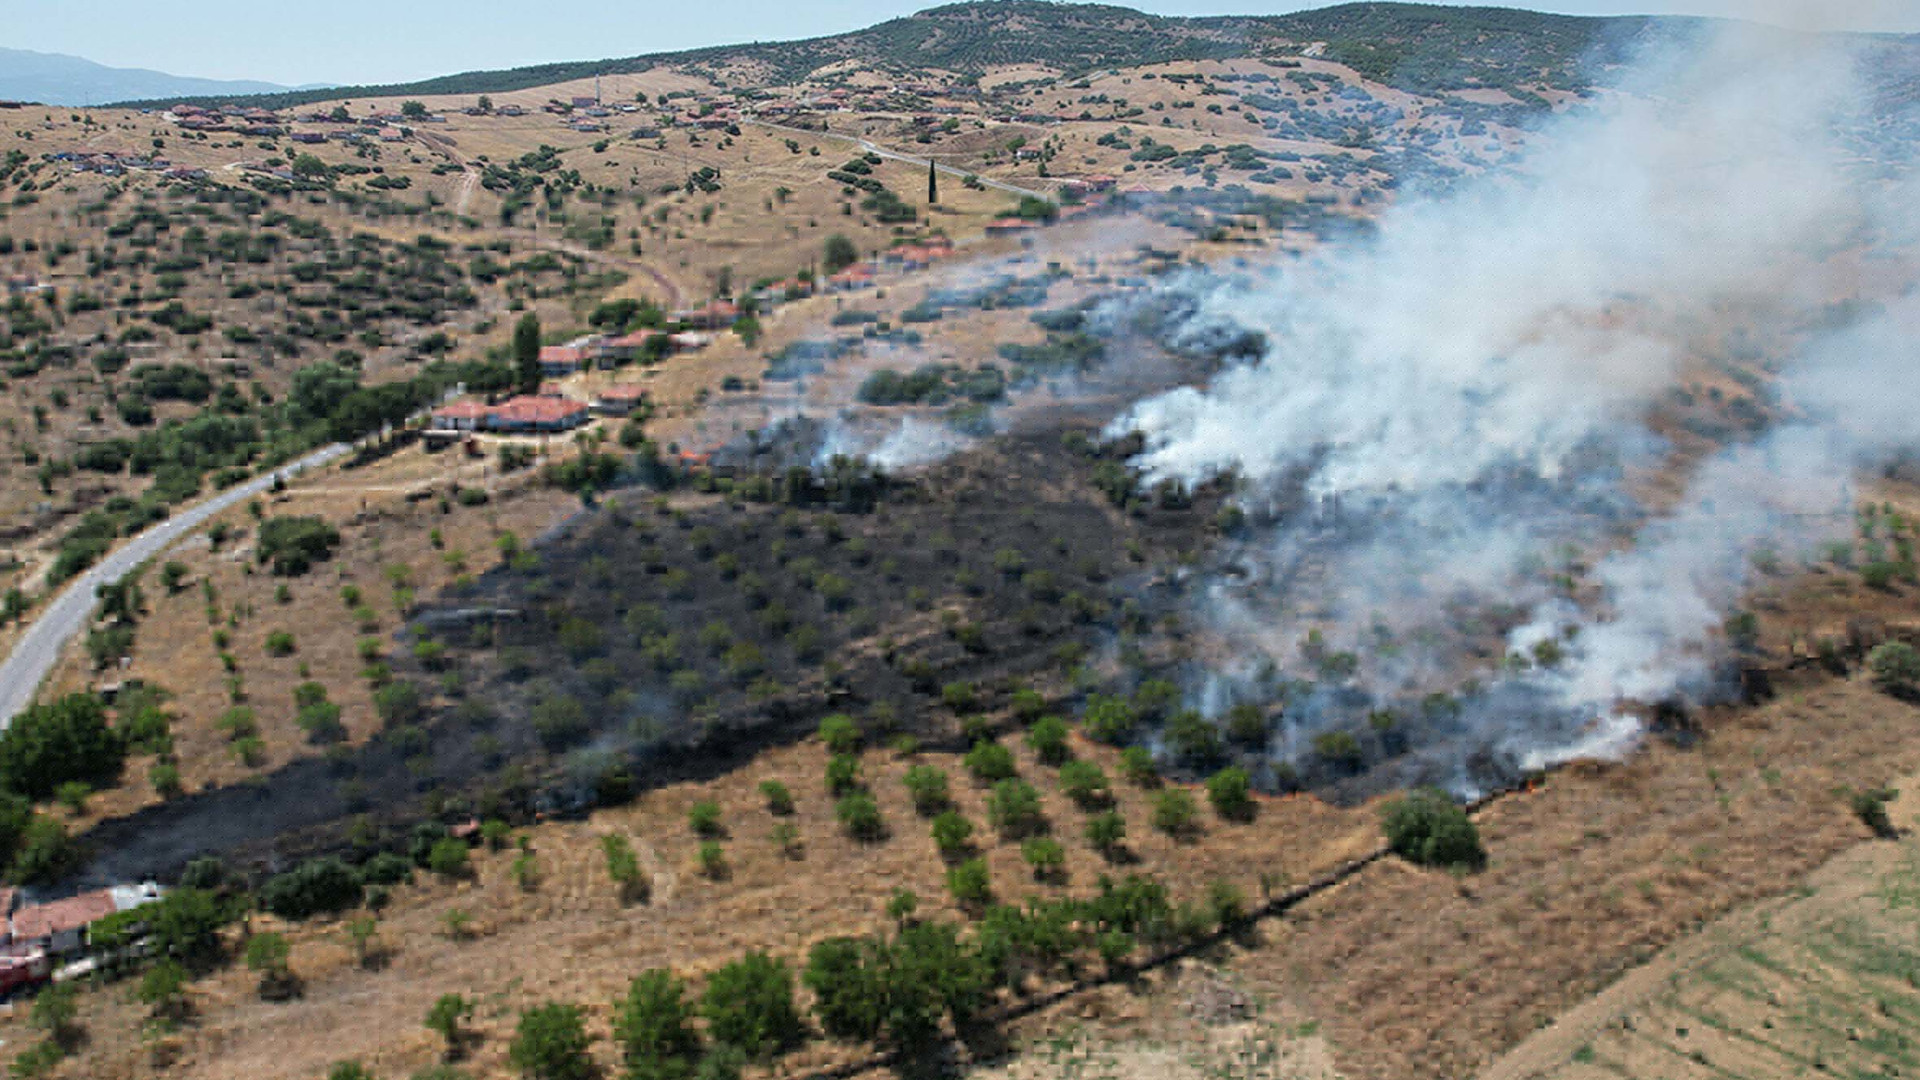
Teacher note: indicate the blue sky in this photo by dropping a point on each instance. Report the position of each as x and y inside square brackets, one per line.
[364, 41]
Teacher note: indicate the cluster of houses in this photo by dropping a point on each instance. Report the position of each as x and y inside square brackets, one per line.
[236, 118]
[546, 413]
[39, 936]
[113, 163]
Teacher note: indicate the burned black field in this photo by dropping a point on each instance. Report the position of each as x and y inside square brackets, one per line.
[668, 634]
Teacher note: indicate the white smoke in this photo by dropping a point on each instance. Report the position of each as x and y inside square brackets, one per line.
[1446, 406]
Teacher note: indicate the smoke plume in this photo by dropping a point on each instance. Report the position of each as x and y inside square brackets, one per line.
[1462, 442]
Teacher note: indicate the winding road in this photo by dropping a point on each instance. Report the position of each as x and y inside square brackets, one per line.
[35, 654]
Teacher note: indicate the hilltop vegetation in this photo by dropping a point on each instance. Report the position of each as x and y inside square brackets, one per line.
[1418, 47]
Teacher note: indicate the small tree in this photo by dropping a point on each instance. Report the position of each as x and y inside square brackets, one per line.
[927, 784]
[840, 734]
[526, 353]
[267, 955]
[712, 859]
[363, 935]
[1231, 792]
[1896, 667]
[1014, 809]
[1173, 811]
[1045, 855]
[1047, 738]
[447, 1019]
[952, 833]
[551, 1044]
[990, 762]
[779, 799]
[1428, 828]
[163, 990]
[56, 1011]
[970, 883]
[623, 866]
[1107, 832]
[859, 814]
[703, 818]
[843, 774]
[1086, 784]
[448, 857]
[839, 253]
[653, 1025]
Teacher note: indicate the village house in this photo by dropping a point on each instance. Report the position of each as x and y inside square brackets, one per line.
[717, 315]
[562, 360]
[59, 928]
[460, 416]
[857, 276]
[537, 414]
[1010, 226]
[618, 400]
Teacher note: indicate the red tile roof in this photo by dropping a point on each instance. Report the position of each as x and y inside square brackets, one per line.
[623, 393]
[462, 410]
[527, 409]
[562, 354]
[73, 913]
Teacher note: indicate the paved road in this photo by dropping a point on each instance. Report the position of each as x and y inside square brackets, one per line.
[875, 148]
[39, 648]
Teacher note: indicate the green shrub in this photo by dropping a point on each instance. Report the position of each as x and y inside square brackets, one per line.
[840, 734]
[653, 1026]
[1137, 765]
[927, 785]
[990, 762]
[779, 799]
[1109, 719]
[859, 814]
[551, 1043]
[1231, 792]
[293, 544]
[748, 1004]
[1014, 809]
[63, 740]
[1047, 738]
[1173, 811]
[1107, 831]
[843, 774]
[1428, 828]
[970, 883]
[1045, 855]
[703, 818]
[952, 833]
[321, 885]
[1895, 666]
[448, 858]
[1086, 784]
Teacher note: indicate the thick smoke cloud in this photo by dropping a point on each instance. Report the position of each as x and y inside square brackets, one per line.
[1458, 415]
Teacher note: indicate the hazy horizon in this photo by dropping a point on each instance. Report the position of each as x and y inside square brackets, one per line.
[359, 42]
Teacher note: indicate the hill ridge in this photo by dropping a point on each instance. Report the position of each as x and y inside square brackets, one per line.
[1411, 46]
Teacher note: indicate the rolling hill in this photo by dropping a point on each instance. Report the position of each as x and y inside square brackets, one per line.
[56, 79]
